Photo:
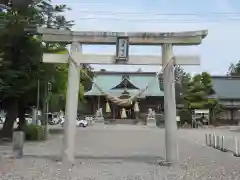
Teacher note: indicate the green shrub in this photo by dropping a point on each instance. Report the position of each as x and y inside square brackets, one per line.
[185, 116]
[34, 132]
[160, 121]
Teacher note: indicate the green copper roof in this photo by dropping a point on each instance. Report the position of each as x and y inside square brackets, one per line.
[107, 80]
[226, 87]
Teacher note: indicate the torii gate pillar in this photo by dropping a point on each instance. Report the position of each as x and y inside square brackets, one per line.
[169, 104]
[71, 107]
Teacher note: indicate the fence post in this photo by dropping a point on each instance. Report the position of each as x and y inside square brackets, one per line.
[218, 142]
[210, 140]
[214, 140]
[236, 147]
[222, 143]
[206, 138]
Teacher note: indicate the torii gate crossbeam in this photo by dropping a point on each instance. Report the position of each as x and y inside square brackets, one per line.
[166, 40]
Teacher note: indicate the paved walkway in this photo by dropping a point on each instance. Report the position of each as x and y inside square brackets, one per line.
[106, 152]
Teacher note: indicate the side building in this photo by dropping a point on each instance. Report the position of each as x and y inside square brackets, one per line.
[124, 85]
[227, 89]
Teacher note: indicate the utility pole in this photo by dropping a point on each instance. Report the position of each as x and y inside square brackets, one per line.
[48, 93]
[38, 98]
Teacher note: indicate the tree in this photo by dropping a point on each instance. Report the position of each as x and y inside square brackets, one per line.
[181, 81]
[20, 58]
[21, 55]
[198, 92]
[21, 65]
[59, 88]
[52, 19]
[234, 69]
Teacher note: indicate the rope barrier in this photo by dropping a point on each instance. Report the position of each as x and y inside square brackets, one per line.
[116, 100]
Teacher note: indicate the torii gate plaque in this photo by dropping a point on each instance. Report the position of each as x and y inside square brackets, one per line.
[166, 40]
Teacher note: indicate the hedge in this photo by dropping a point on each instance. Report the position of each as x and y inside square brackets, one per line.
[34, 132]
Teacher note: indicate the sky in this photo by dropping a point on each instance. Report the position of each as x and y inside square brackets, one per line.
[221, 17]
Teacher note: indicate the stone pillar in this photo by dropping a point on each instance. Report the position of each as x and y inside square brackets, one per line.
[34, 116]
[18, 142]
[71, 108]
[169, 105]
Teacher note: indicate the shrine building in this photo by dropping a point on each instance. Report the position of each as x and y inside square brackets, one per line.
[142, 85]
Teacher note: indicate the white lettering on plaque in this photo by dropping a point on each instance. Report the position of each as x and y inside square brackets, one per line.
[122, 46]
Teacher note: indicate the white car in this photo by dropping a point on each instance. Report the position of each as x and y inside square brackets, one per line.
[2, 116]
[79, 123]
[2, 120]
[29, 120]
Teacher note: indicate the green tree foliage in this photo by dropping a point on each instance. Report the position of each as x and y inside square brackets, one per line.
[20, 59]
[194, 92]
[199, 92]
[21, 55]
[57, 98]
[181, 83]
[234, 69]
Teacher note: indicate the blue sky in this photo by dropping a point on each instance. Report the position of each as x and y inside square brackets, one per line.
[218, 50]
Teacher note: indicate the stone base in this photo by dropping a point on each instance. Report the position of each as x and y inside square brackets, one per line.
[18, 141]
[120, 121]
[164, 163]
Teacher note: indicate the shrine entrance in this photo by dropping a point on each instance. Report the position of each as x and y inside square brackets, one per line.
[120, 114]
[122, 40]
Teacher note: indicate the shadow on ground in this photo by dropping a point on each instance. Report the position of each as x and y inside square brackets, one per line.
[105, 159]
[56, 131]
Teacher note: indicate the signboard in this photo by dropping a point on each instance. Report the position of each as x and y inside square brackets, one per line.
[122, 48]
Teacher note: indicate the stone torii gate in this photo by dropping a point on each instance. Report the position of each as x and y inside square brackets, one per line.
[122, 41]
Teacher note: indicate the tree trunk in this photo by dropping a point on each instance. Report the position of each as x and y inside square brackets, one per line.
[44, 118]
[211, 116]
[233, 112]
[12, 112]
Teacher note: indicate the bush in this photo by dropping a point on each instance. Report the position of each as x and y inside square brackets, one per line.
[34, 132]
[160, 121]
[185, 116]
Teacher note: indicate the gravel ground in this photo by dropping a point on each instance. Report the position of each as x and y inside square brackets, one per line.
[122, 152]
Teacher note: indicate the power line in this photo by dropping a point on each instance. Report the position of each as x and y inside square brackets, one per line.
[91, 2]
[161, 20]
[161, 14]
[97, 2]
[164, 17]
[160, 17]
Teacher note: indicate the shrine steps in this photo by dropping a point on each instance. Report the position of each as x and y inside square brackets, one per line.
[123, 121]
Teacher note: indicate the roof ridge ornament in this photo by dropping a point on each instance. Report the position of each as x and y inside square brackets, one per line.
[125, 83]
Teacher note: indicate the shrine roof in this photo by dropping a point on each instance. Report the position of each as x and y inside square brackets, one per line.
[226, 87]
[125, 82]
[108, 80]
